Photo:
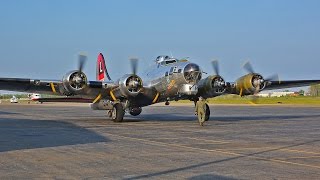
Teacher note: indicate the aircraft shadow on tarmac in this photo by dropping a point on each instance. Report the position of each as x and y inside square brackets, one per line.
[181, 117]
[262, 117]
[212, 176]
[19, 134]
[6, 113]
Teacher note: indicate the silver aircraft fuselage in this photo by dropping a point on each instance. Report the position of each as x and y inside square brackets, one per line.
[173, 78]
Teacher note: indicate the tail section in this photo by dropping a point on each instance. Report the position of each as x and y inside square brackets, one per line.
[102, 72]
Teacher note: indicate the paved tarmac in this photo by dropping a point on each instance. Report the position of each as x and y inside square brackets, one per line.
[55, 141]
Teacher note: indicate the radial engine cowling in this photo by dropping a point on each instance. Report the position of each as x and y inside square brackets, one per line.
[74, 83]
[212, 86]
[250, 84]
[130, 85]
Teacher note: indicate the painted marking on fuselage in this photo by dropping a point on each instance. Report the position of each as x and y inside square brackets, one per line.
[53, 88]
[172, 83]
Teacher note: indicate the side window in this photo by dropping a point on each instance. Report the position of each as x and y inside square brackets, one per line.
[166, 74]
[175, 69]
[171, 70]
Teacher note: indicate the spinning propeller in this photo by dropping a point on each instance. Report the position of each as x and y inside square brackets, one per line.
[82, 61]
[258, 81]
[134, 65]
[215, 66]
[134, 83]
[78, 80]
[218, 81]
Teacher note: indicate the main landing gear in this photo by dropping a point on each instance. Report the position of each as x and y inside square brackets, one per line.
[117, 112]
[207, 117]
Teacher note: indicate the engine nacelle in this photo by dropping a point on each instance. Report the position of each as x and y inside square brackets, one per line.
[212, 86]
[248, 84]
[73, 83]
[130, 85]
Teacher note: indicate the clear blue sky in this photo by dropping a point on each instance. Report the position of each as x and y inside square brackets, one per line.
[41, 38]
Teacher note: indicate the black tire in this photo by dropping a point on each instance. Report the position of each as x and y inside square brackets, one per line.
[117, 113]
[207, 117]
[136, 111]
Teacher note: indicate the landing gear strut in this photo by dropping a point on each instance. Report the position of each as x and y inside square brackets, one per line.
[109, 113]
[117, 112]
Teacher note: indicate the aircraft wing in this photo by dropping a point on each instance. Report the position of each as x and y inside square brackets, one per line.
[56, 87]
[289, 84]
[28, 85]
[211, 86]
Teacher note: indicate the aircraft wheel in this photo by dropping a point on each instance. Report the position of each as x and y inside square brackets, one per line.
[207, 117]
[117, 113]
[135, 111]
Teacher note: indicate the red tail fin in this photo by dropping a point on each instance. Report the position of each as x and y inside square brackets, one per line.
[102, 69]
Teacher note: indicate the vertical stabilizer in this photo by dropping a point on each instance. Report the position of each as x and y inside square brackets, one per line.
[102, 72]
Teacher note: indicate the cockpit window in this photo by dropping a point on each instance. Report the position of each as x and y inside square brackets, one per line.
[171, 61]
[161, 58]
[165, 60]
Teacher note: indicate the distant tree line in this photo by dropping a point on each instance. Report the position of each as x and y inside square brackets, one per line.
[314, 90]
[24, 96]
[8, 96]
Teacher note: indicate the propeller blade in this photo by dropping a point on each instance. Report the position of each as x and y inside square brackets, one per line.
[82, 61]
[257, 89]
[255, 97]
[247, 66]
[215, 66]
[134, 65]
[274, 77]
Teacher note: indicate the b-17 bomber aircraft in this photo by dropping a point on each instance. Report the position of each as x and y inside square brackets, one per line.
[168, 79]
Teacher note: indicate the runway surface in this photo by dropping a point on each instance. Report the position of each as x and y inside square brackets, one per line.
[53, 141]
